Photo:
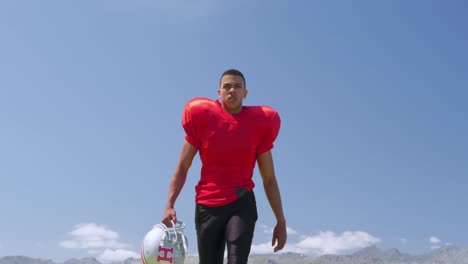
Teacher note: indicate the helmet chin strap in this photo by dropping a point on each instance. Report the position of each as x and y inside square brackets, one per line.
[176, 229]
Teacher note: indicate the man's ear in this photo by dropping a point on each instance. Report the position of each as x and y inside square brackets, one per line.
[246, 92]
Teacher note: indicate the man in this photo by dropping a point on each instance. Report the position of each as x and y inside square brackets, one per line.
[230, 138]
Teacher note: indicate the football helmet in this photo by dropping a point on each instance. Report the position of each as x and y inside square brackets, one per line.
[164, 245]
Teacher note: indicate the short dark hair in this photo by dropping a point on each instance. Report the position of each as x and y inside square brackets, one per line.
[235, 73]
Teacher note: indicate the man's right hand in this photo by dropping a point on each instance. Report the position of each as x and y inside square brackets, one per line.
[169, 214]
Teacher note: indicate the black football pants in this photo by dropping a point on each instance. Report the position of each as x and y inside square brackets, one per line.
[230, 226]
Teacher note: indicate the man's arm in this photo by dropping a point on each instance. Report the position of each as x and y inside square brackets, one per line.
[267, 171]
[178, 180]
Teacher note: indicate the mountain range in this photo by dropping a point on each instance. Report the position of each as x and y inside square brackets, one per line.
[371, 255]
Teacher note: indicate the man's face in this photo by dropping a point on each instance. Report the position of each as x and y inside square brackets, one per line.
[232, 91]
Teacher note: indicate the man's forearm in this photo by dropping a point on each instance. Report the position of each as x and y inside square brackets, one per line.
[175, 187]
[274, 198]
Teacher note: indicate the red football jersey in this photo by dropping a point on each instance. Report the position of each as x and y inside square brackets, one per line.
[228, 146]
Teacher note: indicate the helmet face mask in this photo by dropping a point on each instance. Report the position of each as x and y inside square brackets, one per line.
[164, 245]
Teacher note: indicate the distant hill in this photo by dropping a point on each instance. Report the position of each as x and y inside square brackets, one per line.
[371, 255]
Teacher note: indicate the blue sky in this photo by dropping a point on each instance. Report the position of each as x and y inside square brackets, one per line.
[372, 95]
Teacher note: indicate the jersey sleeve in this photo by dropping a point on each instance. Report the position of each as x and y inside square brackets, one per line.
[190, 127]
[270, 131]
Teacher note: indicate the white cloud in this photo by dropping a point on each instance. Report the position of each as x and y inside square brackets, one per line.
[404, 240]
[434, 240]
[269, 230]
[329, 243]
[109, 255]
[291, 231]
[326, 242]
[264, 248]
[435, 247]
[98, 240]
[93, 236]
